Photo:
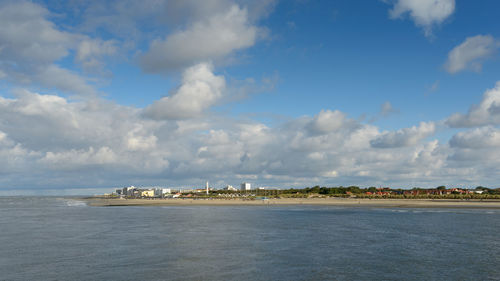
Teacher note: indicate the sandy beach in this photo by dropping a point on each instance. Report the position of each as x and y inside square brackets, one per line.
[346, 202]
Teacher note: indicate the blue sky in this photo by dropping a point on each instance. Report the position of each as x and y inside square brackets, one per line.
[279, 93]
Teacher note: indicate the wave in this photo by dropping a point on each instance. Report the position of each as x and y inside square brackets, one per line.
[75, 203]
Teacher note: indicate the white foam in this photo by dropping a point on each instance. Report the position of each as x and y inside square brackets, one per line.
[75, 203]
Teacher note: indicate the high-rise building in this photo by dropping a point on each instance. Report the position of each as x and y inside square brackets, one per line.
[129, 191]
[246, 186]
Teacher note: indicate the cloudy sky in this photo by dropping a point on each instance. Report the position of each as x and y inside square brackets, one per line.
[100, 94]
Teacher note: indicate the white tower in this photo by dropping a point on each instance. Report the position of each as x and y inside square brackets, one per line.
[206, 186]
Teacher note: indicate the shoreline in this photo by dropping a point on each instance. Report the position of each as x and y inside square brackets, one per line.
[339, 202]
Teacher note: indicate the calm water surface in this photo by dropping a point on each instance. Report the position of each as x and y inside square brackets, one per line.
[63, 239]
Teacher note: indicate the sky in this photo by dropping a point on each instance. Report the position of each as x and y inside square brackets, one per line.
[296, 93]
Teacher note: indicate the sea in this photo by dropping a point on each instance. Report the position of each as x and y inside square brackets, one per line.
[50, 238]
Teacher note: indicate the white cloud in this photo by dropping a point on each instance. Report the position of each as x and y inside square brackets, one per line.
[139, 139]
[70, 136]
[210, 39]
[471, 53]
[484, 137]
[404, 137]
[3, 137]
[75, 159]
[126, 19]
[49, 140]
[26, 36]
[76, 125]
[105, 144]
[91, 52]
[199, 91]
[425, 13]
[486, 113]
[476, 153]
[31, 46]
[57, 78]
[327, 121]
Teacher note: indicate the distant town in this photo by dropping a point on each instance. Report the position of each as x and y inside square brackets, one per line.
[245, 190]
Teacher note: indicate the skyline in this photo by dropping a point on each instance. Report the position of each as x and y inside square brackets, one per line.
[399, 93]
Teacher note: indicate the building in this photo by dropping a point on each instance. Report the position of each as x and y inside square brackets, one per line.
[147, 193]
[129, 191]
[246, 186]
[230, 188]
[160, 192]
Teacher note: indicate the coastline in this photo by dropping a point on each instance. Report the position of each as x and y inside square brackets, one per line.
[340, 202]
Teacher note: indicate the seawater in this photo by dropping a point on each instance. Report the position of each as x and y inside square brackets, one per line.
[45, 238]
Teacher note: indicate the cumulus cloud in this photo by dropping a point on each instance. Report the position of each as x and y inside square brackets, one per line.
[70, 135]
[126, 19]
[486, 113]
[476, 152]
[3, 137]
[77, 158]
[200, 90]
[57, 78]
[328, 121]
[50, 140]
[425, 13]
[26, 36]
[107, 145]
[138, 140]
[483, 137]
[89, 53]
[471, 53]
[103, 137]
[31, 45]
[59, 124]
[404, 137]
[209, 39]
